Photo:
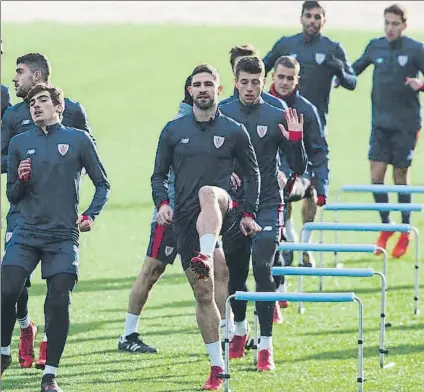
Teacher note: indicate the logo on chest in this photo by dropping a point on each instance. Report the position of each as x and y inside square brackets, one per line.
[31, 151]
[261, 130]
[403, 60]
[319, 58]
[26, 122]
[184, 140]
[218, 141]
[63, 149]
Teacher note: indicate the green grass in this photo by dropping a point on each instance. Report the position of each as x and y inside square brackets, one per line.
[130, 79]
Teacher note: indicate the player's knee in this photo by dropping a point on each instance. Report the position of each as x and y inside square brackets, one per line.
[152, 270]
[204, 294]
[263, 277]
[11, 283]
[59, 300]
[220, 267]
[400, 176]
[207, 195]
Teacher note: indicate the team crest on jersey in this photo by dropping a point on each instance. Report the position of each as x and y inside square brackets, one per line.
[8, 236]
[403, 60]
[168, 250]
[218, 141]
[319, 57]
[261, 129]
[63, 149]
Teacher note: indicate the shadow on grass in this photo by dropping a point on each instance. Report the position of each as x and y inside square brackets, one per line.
[369, 351]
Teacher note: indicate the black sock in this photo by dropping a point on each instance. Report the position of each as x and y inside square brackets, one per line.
[60, 288]
[22, 304]
[382, 198]
[405, 198]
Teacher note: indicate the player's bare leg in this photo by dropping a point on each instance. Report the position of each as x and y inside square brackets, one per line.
[378, 173]
[213, 205]
[401, 177]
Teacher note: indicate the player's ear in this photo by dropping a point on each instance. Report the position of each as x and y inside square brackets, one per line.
[220, 89]
[37, 76]
[190, 90]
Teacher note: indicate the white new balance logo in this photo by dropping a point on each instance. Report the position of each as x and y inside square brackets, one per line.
[184, 140]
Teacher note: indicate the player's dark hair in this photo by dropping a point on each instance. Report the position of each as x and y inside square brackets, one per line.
[251, 65]
[241, 51]
[287, 62]
[398, 10]
[188, 99]
[36, 62]
[56, 94]
[205, 68]
[309, 5]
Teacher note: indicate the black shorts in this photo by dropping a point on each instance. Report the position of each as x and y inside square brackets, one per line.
[187, 236]
[57, 255]
[162, 243]
[391, 146]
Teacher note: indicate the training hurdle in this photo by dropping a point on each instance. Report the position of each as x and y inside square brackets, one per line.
[343, 248]
[294, 297]
[338, 272]
[371, 227]
[389, 207]
[381, 188]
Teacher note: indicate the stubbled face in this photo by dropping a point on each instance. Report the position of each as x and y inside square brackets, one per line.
[43, 111]
[313, 21]
[393, 26]
[24, 80]
[204, 90]
[285, 80]
[250, 87]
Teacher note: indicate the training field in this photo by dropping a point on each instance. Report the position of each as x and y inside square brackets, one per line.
[130, 79]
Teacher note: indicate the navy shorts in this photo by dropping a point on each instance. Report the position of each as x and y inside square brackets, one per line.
[188, 238]
[394, 147]
[57, 255]
[162, 243]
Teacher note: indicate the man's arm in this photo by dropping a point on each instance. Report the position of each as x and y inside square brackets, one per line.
[81, 121]
[346, 75]
[7, 132]
[317, 150]
[160, 176]
[363, 62]
[246, 157]
[6, 99]
[273, 55]
[16, 188]
[95, 170]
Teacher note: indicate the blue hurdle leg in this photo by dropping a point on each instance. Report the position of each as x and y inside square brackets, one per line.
[360, 378]
[226, 374]
[417, 270]
[382, 350]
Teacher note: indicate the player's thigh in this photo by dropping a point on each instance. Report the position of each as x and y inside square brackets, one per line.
[22, 251]
[380, 146]
[60, 256]
[217, 193]
[162, 243]
[187, 237]
[271, 221]
[403, 144]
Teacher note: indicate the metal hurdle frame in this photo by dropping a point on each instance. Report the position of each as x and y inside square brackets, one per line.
[339, 272]
[371, 227]
[294, 297]
[337, 207]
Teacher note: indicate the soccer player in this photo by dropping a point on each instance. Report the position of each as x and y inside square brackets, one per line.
[320, 58]
[265, 125]
[313, 185]
[44, 171]
[6, 100]
[31, 69]
[236, 53]
[161, 252]
[202, 148]
[396, 108]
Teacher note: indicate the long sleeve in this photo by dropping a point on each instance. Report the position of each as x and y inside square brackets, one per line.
[294, 151]
[81, 121]
[7, 132]
[363, 62]
[95, 170]
[246, 157]
[317, 151]
[272, 56]
[348, 79]
[15, 188]
[160, 176]
[421, 65]
[6, 99]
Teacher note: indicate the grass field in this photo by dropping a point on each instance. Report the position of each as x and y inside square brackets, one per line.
[130, 80]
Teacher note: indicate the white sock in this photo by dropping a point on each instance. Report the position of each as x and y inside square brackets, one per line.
[240, 328]
[207, 244]
[5, 350]
[230, 329]
[50, 370]
[44, 337]
[290, 231]
[215, 354]
[265, 343]
[131, 324]
[24, 322]
[306, 236]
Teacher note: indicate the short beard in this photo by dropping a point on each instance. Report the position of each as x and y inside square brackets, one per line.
[204, 106]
